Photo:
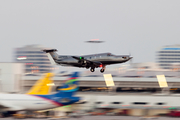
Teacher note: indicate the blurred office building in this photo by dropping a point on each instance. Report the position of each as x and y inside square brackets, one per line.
[168, 57]
[11, 77]
[35, 60]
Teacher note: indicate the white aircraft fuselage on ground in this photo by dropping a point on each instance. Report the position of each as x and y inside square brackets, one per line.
[23, 102]
[16, 102]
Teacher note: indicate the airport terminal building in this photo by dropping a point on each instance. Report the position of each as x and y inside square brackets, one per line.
[137, 77]
[35, 60]
[136, 85]
[167, 55]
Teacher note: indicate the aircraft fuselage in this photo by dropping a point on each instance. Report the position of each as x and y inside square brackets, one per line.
[104, 59]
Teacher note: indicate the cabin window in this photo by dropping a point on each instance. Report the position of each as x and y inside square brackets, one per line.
[140, 103]
[84, 102]
[160, 103]
[99, 102]
[116, 102]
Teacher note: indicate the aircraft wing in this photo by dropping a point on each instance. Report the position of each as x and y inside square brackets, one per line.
[96, 63]
[3, 107]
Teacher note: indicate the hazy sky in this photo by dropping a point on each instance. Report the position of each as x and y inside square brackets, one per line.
[138, 27]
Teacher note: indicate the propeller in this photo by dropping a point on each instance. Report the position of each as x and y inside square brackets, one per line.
[131, 60]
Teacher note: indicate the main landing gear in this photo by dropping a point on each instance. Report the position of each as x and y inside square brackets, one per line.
[101, 70]
[92, 69]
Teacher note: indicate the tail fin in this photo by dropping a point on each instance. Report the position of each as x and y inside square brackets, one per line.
[71, 84]
[52, 55]
[42, 86]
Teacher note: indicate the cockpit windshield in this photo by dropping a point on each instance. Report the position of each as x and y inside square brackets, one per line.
[109, 54]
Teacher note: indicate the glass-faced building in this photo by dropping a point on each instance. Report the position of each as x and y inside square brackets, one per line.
[35, 60]
[168, 56]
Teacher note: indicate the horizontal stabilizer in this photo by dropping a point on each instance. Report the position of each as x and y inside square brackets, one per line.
[50, 50]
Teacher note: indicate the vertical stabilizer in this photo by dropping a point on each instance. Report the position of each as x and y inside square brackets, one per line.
[51, 59]
[65, 94]
[52, 55]
[42, 86]
[71, 84]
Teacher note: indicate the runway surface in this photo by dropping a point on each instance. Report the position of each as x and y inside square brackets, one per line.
[101, 118]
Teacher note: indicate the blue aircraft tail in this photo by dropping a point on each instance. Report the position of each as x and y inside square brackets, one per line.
[71, 84]
[65, 94]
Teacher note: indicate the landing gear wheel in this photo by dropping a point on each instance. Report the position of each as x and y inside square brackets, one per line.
[102, 70]
[92, 69]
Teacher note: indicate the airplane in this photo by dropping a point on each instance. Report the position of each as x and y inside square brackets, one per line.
[32, 102]
[86, 61]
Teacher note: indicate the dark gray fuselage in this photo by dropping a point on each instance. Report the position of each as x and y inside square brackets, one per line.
[103, 58]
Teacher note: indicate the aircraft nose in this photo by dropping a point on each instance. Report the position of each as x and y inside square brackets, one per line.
[130, 57]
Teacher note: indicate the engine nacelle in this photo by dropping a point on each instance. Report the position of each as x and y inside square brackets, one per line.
[82, 62]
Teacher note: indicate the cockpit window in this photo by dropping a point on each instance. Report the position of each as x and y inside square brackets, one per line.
[124, 57]
[109, 54]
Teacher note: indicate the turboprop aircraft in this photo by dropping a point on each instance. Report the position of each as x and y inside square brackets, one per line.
[30, 102]
[86, 61]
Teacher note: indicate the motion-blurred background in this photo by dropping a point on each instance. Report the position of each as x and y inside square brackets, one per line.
[148, 30]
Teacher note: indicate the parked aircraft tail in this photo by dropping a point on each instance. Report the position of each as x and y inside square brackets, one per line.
[65, 94]
[42, 86]
[71, 84]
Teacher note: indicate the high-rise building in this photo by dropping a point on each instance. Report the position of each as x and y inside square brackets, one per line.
[35, 60]
[168, 56]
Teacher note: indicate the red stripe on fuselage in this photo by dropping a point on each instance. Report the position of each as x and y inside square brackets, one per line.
[49, 100]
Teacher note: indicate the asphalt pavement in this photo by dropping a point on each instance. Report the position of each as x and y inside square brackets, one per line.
[102, 118]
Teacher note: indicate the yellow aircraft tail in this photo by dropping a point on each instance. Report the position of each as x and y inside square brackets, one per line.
[42, 86]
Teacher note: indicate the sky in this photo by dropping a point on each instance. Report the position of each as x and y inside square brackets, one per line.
[136, 27]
